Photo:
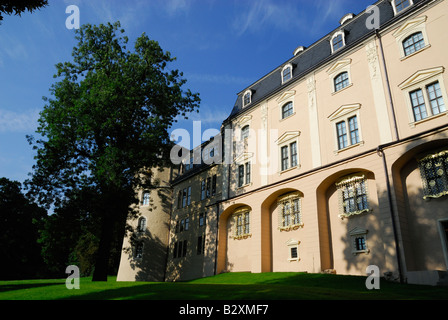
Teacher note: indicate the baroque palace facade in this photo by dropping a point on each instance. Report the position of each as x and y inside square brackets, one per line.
[334, 161]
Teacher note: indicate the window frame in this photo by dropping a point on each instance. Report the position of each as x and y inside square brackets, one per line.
[344, 114]
[286, 67]
[243, 174]
[292, 244]
[395, 6]
[420, 81]
[354, 235]
[340, 33]
[247, 98]
[407, 29]
[290, 111]
[295, 217]
[146, 197]
[414, 43]
[437, 159]
[345, 81]
[142, 224]
[285, 142]
[343, 187]
[241, 223]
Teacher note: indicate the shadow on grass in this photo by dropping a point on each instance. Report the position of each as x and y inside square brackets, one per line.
[13, 287]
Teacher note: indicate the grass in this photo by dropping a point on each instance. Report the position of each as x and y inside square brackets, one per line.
[230, 286]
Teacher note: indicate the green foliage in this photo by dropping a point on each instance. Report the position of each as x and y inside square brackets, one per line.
[18, 7]
[106, 124]
[20, 220]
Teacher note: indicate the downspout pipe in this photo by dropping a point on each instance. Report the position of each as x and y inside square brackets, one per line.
[389, 91]
[381, 153]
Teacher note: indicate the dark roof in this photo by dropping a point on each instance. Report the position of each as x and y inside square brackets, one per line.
[319, 53]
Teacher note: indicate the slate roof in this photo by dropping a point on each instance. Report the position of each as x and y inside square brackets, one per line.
[320, 53]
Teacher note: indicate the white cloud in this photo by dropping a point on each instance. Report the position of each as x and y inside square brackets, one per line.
[218, 79]
[11, 121]
[257, 15]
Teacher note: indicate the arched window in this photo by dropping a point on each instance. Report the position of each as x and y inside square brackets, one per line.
[413, 43]
[139, 250]
[245, 133]
[337, 41]
[247, 98]
[341, 81]
[287, 110]
[286, 73]
[145, 198]
[141, 224]
[400, 5]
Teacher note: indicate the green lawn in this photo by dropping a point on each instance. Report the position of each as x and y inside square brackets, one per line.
[230, 286]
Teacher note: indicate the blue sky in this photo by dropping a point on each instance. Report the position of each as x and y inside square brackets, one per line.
[221, 47]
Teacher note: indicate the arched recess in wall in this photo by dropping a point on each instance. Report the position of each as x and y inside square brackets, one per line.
[420, 177]
[269, 223]
[345, 199]
[229, 231]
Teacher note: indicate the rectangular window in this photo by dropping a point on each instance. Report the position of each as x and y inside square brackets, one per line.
[201, 245]
[434, 173]
[187, 224]
[285, 158]
[353, 127]
[184, 249]
[354, 197]
[189, 196]
[341, 130]
[201, 219]
[293, 148]
[214, 185]
[435, 98]
[179, 199]
[202, 189]
[242, 224]
[418, 105]
[247, 172]
[209, 187]
[146, 197]
[175, 250]
[400, 5]
[360, 243]
[240, 175]
[184, 198]
[294, 253]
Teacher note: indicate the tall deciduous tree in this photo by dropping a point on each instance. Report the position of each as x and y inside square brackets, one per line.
[17, 7]
[107, 124]
[20, 220]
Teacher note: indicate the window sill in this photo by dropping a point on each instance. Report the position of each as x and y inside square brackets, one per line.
[242, 237]
[291, 227]
[413, 124]
[356, 252]
[286, 118]
[415, 53]
[361, 143]
[343, 89]
[289, 169]
[245, 186]
[355, 213]
[294, 259]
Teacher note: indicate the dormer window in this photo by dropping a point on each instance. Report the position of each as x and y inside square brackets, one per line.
[247, 98]
[401, 5]
[286, 73]
[337, 41]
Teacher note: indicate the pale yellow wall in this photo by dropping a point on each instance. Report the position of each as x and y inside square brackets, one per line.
[194, 265]
[151, 267]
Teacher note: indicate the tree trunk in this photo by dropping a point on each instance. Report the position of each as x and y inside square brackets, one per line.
[102, 256]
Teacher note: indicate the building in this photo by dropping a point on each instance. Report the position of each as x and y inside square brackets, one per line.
[334, 161]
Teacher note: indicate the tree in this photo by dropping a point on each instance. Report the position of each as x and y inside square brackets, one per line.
[107, 125]
[17, 7]
[20, 220]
